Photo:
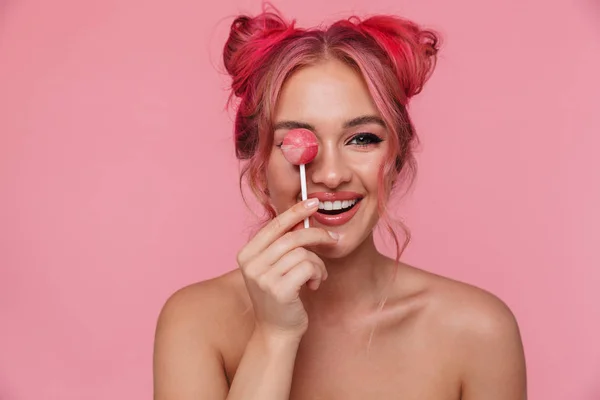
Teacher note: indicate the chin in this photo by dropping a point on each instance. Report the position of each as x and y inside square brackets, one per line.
[343, 248]
[353, 236]
[334, 253]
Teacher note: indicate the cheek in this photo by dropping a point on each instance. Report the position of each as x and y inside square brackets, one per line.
[283, 183]
[368, 169]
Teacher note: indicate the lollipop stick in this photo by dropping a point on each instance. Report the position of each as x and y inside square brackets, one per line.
[303, 188]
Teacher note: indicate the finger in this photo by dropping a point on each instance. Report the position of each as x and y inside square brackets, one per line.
[278, 226]
[293, 258]
[288, 287]
[298, 226]
[296, 239]
[266, 272]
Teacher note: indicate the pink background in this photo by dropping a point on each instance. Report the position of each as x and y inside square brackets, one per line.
[118, 183]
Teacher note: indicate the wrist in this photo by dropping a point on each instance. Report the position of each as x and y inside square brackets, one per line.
[278, 340]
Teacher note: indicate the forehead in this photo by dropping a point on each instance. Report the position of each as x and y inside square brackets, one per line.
[328, 93]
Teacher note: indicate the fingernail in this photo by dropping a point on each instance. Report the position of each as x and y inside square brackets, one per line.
[311, 203]
[334, 235]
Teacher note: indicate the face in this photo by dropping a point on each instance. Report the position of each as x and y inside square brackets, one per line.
[333, 101]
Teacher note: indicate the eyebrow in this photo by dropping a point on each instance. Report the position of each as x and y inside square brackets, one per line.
[362, 120]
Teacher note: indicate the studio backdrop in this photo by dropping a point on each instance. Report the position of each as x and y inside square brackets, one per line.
[119, 185]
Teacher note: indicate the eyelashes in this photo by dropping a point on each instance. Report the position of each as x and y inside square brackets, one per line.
[364, 140]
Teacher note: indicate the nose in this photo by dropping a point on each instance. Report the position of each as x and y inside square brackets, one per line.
[329, 167]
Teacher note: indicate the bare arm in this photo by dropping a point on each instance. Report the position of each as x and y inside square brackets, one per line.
[188, 366]
[495, 361]
[266, 369]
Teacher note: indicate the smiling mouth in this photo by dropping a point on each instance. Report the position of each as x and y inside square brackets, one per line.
[337, 207]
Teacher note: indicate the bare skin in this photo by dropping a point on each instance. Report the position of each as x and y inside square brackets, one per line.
[437, 340]
[300, 318]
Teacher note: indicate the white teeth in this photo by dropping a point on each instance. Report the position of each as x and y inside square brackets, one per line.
[336, 205]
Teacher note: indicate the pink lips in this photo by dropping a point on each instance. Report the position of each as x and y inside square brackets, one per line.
[338, 219]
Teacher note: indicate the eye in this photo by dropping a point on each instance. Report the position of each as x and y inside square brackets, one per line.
[365, 139]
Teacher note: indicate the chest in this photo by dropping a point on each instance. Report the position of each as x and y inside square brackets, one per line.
[339, 364]
[353, 367]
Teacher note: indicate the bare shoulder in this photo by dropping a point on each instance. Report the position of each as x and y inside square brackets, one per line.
[189, 338]
[206, 305]
[484, 335]
[221, 290]
[458, 305]
[471, 308]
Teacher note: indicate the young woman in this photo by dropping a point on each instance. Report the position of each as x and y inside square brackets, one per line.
[319, 313]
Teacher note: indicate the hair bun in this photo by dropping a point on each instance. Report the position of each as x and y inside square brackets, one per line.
[246, 41]
[412, 50]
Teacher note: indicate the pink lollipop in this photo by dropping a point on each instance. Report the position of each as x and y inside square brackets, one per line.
[300, 147]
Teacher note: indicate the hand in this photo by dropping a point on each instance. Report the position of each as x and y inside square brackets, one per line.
[275, 265]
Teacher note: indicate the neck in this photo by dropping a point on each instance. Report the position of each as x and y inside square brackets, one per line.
[355, 283]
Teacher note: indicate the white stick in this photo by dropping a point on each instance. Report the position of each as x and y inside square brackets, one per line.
[303, 188]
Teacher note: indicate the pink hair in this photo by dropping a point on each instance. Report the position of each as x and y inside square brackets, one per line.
[395, 57]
